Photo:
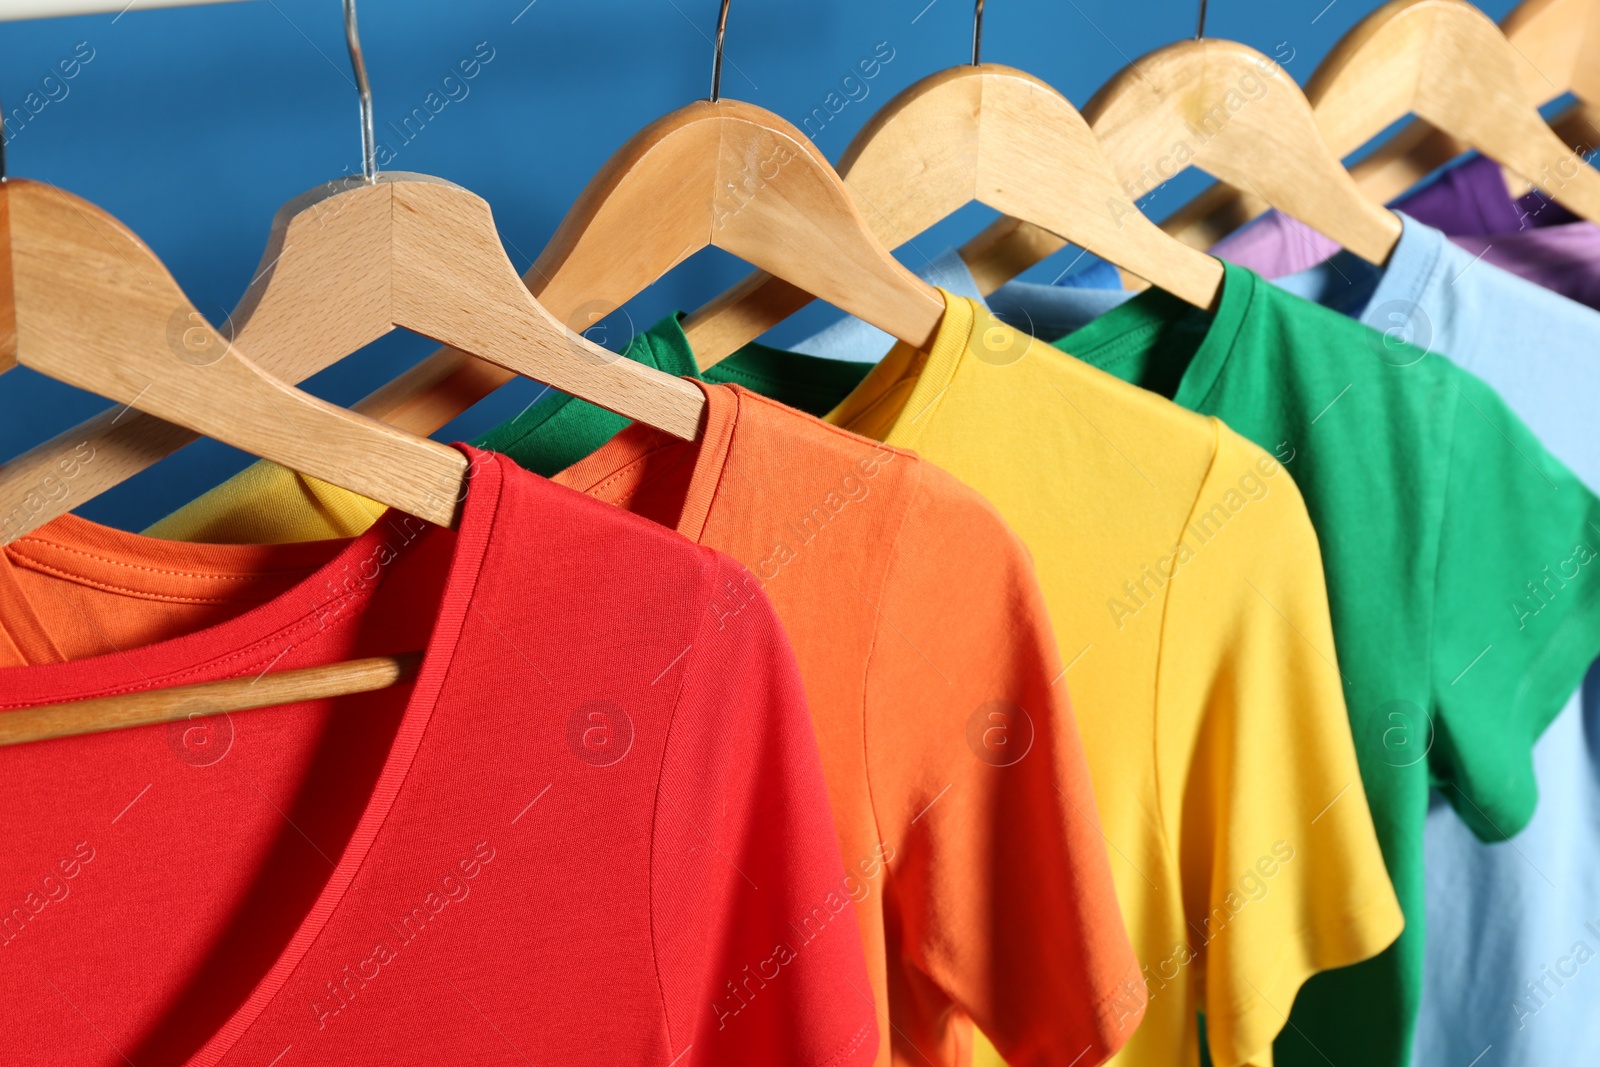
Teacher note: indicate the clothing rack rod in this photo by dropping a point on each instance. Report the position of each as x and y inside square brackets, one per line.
[18, 10]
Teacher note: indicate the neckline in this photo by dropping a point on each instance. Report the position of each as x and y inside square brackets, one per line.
[1384, 296]
[1131, 325]
[194, 653]
[141, 567]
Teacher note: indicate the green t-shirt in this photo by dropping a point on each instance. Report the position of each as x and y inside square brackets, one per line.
[1457, 553]
[558, 430]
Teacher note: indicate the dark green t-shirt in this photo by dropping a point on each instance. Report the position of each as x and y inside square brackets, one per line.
[1461, 576]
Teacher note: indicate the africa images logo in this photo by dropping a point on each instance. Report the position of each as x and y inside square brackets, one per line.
[599, 733]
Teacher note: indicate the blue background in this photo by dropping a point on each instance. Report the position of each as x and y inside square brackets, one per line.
[193, 125]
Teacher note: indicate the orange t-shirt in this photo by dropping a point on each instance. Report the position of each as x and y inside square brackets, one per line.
[954, 767]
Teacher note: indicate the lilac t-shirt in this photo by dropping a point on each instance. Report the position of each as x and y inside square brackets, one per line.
[1533, 238]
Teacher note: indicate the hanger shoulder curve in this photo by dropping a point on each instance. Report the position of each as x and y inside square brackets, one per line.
[1041, 161]
[1234, 113]
[734, 176]
[1558, 42]
[1008, 140]
[1447, 63]
[150, 348]
[480, 305]
[1556, 45]
[991, 134]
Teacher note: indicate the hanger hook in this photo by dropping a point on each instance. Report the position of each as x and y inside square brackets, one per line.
[716, 62]
[1200, 27]
[977, 33]
[369, 145]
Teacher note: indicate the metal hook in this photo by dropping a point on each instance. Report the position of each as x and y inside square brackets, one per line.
[716, 63]
[1200, 28]
[977, 33]
[369, 143]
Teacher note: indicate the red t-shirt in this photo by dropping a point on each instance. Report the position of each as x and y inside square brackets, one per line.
[584, 831]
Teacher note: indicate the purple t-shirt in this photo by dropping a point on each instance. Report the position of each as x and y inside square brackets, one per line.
[1533, 237]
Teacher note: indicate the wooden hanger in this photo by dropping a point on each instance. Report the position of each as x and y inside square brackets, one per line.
[982, 133]
[718, 173]
[345, 264]
[92, 306]
[1555, 47]
[1199, 94]
[1445, 62]
[736, 177]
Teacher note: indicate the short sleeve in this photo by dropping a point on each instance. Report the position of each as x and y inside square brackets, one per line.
[1261, 791]
[1516, 618]
[757, 945]
[1002, 903]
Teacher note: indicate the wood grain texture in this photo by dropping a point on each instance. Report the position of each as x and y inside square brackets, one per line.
[1447, 63]
[95, 308]
[100, 714]
[1551, 47]
[687, 181]
[345, 264]
[735, 177]
[989, 134]
[1232, 112]
[1237, 115]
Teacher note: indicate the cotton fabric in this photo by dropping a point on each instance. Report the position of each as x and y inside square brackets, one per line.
[1070, 536]
[925, 648]
[1186, 585]
[1438, 512]
[1508, 920]
[941, 711]
[1503, 917]
[579, 836]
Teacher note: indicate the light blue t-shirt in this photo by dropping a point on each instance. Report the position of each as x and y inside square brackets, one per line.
[1512, 966]
[859, 342]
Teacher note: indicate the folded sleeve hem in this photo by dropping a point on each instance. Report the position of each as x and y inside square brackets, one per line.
[1244, 1035]
[1547, 685]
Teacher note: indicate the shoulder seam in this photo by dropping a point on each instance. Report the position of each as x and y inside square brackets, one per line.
[1217, 428]
[907, 502]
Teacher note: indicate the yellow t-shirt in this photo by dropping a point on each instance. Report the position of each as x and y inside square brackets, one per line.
[1185, 586]
[266, 504]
